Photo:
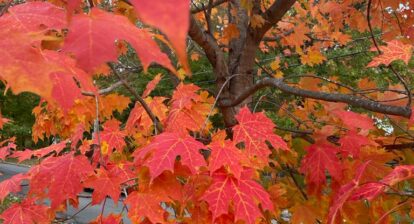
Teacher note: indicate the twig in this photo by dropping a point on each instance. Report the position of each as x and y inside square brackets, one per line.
[5, 7]
[80, 210]
[97, 131]
[370, 26]
[105, 91]
[215, 102]
[391, 211]
[200, 9]
[157, 124]
[103, 209]
[296, 183]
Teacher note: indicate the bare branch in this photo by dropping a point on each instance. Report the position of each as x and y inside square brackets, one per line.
[331, 97]
[147, 109]
[401, 146]
[274, 14]
[202, 8]
[105, 91]
[205, 41]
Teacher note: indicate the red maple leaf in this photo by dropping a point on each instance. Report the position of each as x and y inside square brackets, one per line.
[245, 193]
[57, 148]
[92, 39]
[22, 155]
[77, 135]
[395, 50]
[11, 185]
[107, 183]
[254, 130]
[225, 154]
[160, 14]
[110, 219]
[139, 121]
[354, 120]
[5, 150]
[344, 194]
[352, 142]
[165, 148]
[143, 205]
[151, 85]
[320, 157]
[26, 212]
[61, 176]
[184, 96]
[113, 136]
[46, 73]
[368, 191]
[189, 109]
[371, 190]
[35, 16]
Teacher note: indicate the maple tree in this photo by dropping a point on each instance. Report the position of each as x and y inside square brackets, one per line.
[334, 146]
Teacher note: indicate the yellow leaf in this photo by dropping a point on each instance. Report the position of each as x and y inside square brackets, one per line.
[104, 148]
[275, 65]
[278, 74]
[181, 74]
[313, 57]
[257, 21]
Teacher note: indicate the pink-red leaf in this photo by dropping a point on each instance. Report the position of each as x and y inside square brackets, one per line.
[245, 193]
[395, 50]
[11, 185]
[354, 120]
[5, 150]
[57, 148]
[226, 154]
[105, 183]
[172, 17]
[320, 157]
[143, 205]
[254, 130]
[92, 39]
[34, 16]
[113, 136]
[352, 142]
[165, 148]
[26, 212]
[61, 176]
[151, 85]
[371, 190]
[344, 193]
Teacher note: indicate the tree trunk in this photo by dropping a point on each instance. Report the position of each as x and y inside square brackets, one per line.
[242, 53]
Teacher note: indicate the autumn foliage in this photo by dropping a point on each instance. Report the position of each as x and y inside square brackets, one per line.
[347, 159]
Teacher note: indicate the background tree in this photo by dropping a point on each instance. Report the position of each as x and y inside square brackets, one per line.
[126, 112]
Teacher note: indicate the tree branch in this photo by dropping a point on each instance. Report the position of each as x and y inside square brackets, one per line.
[105, 91]
[274, 14]
[331, 97]
[205, 41]
[147, 109]
[203, 7]
[399, 146]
